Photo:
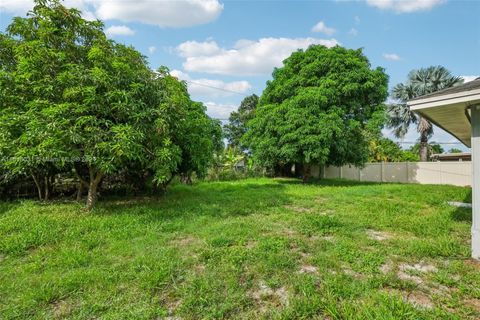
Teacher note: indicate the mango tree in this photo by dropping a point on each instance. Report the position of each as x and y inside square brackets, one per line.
[315, 109]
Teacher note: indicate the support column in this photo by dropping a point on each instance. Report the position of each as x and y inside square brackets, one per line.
[475, 121]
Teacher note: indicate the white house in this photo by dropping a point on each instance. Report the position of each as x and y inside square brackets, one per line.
[457, 111]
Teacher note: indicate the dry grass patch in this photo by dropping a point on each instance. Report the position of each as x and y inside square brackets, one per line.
[473, 304]
[61, 309]
[298, 209]
[186, 241]
[305, 268]
[417, 298]
[379, 235]
[267, 298]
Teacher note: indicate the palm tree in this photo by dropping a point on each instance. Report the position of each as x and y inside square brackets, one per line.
[419, 83]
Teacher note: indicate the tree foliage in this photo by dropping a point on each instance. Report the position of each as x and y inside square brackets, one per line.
[419, 82]
[72, 99]
[385, 150]
[237, 124]
[432, 148]
[455, 150]
[316, 108]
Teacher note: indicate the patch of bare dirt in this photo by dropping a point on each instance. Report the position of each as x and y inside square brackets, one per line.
[387, 267]
[378, 235]
[320, 200]
[297, 208]
[305, 268]
[405, 270]
[289, 232]
[328, 238]
[419, 299]
[171, 304]
[266, 296]
[420, 267]
[473, 263]
[251, 244]
[304, 255]
[473, 303]
[349, 272]
[199, 268]
[185, 241]
[407, 277]
[61, 309]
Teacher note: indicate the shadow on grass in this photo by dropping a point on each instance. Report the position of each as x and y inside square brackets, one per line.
[5, 207]
[463, 214]
[328, 182]
[205, 199]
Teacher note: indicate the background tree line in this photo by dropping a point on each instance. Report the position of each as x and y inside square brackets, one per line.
[326, 107]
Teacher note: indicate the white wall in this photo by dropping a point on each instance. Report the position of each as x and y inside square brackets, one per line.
[453, 173]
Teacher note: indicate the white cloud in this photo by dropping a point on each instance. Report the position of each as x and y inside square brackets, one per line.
[392, 56]
[194, 48]
[21, 7]
[219, 111]
[16, 6]
[152, 49]
[322, 27]
[353, 32]
[357, 19]
[246, 57]
[119, 31]
[212, 88]
[178, 13]
[405, 6]
[469, 78]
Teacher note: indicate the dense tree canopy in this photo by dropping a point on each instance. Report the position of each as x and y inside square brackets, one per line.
[71, 98]
[237, 124]
[315, 109]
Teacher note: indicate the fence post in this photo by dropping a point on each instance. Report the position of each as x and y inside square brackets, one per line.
[406, 171]
[382, 171]
[341, 172]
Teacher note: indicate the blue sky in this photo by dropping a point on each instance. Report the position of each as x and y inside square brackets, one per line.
[234, 45]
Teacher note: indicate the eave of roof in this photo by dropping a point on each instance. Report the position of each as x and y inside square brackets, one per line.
[448, 109]
[471, 85]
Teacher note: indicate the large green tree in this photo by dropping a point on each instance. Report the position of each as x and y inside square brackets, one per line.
[237, 122]
[419, 82]
[74, 99]
[315, 109]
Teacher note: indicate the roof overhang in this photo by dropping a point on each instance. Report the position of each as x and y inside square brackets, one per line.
[449, 112]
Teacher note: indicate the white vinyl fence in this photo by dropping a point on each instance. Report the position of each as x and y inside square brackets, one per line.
[454, 173]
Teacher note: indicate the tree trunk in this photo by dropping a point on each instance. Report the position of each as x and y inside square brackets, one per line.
[39, 186]
[81, 184]
[166, 183]
[306, 172]
[47, 188]
[79, 191]
[423, 147]
[95, 178]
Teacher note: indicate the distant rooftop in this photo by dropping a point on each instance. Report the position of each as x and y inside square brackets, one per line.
[472, 85]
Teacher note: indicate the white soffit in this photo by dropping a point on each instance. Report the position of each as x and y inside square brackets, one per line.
[449, 112]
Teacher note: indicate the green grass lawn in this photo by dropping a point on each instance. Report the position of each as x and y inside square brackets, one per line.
[257, 248]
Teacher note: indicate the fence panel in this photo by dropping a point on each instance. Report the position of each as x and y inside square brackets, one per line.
[453, 173]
